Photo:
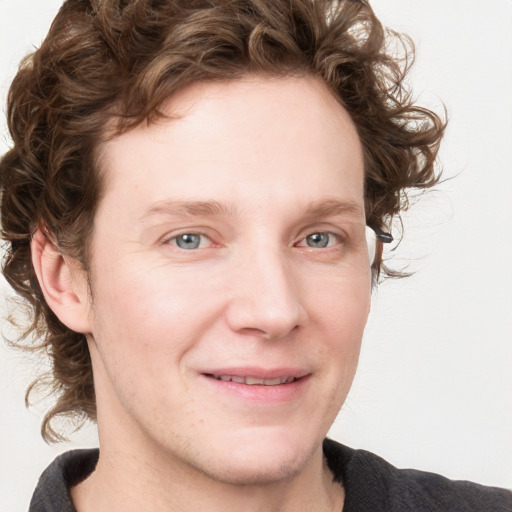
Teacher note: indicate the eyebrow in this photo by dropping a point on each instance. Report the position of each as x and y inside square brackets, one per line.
[331, 207]
[315, 209]
[188, 209]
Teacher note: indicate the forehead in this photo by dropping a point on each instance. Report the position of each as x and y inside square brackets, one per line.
[279, 138]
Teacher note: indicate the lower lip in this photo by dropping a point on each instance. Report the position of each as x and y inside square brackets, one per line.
[278, 394]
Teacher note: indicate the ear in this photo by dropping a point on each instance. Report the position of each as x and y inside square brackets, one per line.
[63, 283]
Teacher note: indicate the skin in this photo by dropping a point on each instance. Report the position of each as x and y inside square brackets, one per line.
[250, 170]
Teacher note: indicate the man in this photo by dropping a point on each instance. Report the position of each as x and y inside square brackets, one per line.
[194, 203]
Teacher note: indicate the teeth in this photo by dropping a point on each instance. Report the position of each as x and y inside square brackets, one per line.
[253, 381]
[272, 382]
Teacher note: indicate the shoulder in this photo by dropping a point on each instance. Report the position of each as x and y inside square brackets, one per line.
[52, 493]
[373, 484]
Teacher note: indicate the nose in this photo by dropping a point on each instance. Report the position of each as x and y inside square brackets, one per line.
[265, 299]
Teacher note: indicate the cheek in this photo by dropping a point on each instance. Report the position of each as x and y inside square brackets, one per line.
[340, 304]
[148, 307]
[143, 327]
[340, 311]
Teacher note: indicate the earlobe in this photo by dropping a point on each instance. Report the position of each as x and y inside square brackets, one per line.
[63, 283]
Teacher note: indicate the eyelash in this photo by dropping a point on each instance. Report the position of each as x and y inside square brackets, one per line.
[336, 236]
[173, 240]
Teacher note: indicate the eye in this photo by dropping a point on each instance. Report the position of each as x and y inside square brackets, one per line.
[319, 240]
[189, 241]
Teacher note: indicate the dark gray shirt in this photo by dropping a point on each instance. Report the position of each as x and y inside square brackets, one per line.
[371, 485]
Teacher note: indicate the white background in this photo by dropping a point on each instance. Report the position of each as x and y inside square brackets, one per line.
[434, 385]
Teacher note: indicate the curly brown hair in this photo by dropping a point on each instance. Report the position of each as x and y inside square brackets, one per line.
[108, 62]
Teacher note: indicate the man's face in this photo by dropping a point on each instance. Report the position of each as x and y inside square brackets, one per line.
[231, 279]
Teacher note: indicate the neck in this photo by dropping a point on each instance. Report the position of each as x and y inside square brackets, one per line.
[125, 481]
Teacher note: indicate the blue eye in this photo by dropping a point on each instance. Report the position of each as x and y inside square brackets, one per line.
[188, 241]
[320, 240]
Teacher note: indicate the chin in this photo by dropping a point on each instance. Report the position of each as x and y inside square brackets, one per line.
[259, 472]
[260, 462]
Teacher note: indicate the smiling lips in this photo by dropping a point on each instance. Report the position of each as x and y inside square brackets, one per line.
[258, 386]
[253, 381]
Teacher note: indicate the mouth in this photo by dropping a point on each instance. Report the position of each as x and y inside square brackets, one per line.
[253, 381]
[258, 386]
